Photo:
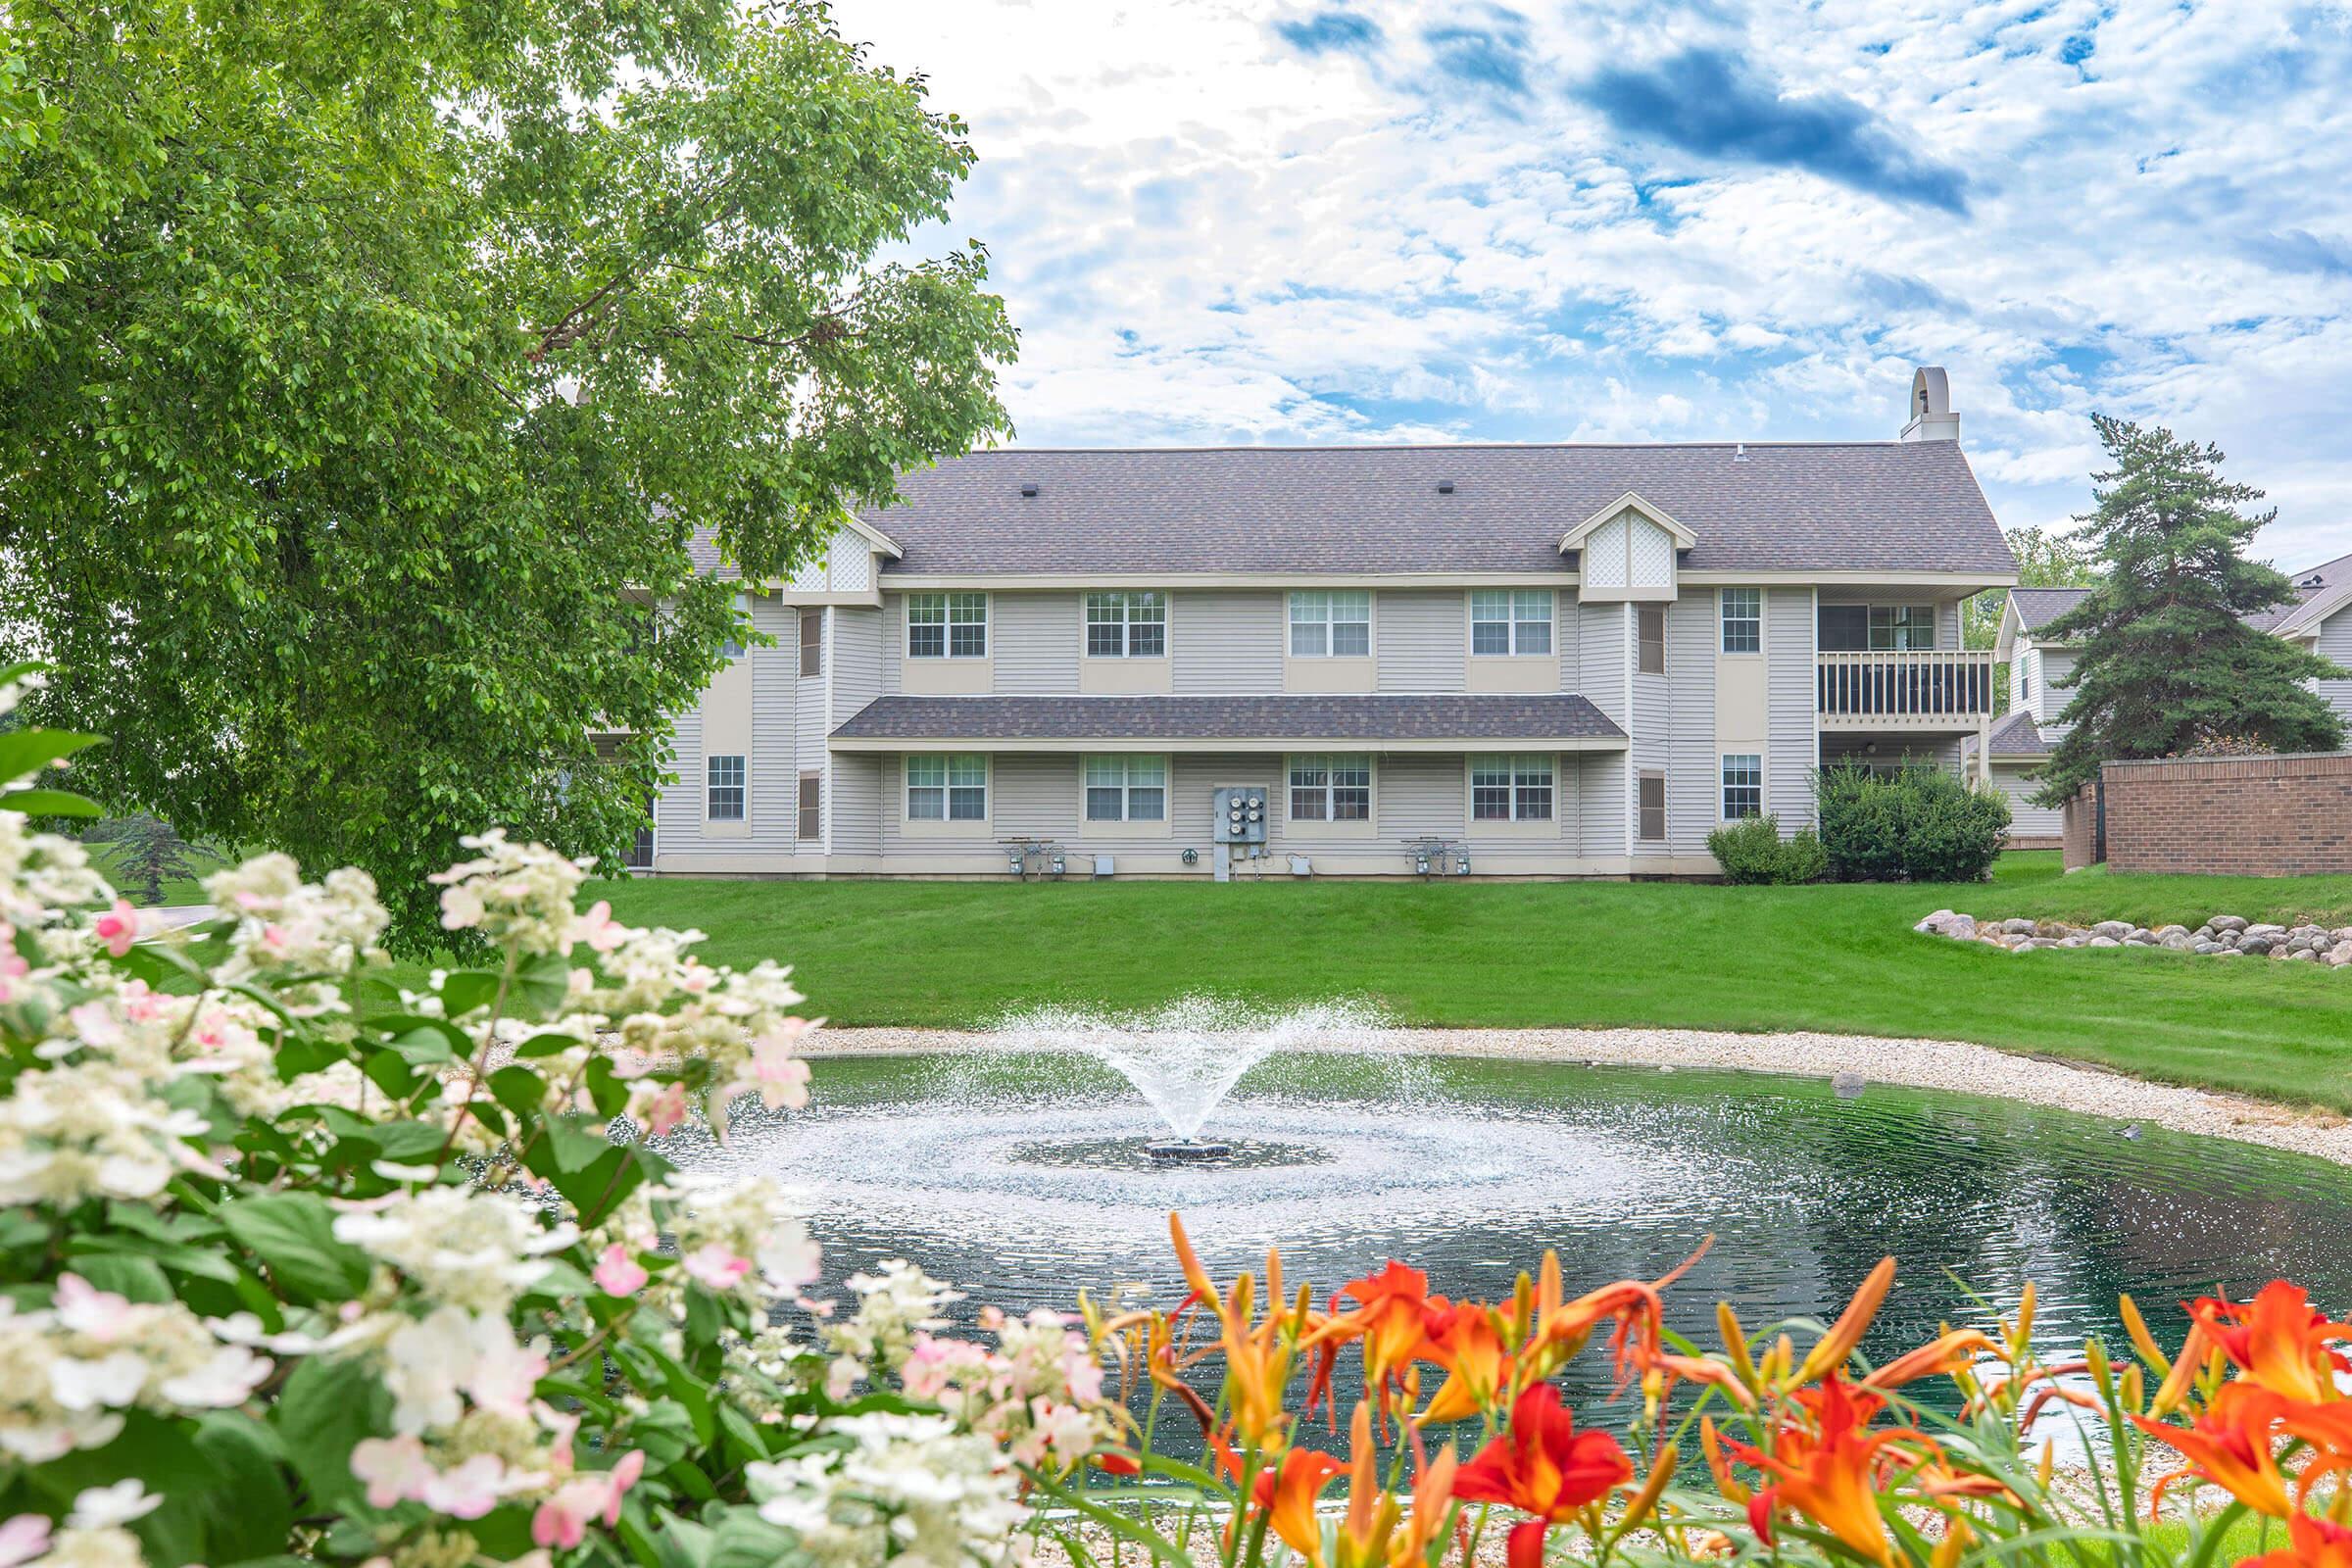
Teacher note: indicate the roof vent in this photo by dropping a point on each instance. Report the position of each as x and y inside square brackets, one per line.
[1739, 453]
[2315, 580]
[1444, 487]
[1029, 490]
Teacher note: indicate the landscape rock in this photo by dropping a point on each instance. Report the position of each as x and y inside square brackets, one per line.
[2103, 942]
[2017, 927]
[2113, 930]
[2254, 946]
[2227, 922]
[2163, 931]
[2266, 929]
[2223, 936]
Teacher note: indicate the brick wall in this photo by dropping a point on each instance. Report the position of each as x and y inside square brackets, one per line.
[2233, 816]
[2079, 839]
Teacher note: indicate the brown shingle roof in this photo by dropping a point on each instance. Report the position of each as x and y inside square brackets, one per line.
[2039, 607]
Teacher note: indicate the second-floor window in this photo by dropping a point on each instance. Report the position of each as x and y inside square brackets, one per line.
[947, 625]
[1742, 620]
[1510, 788]
[1126, 789]
[1510, 621]
[1649, 636]
[1902, 628]
[1331, 624]
[1129, 626]
[1331, 788]
[813, 642]
[947, 789]
[2025, 678]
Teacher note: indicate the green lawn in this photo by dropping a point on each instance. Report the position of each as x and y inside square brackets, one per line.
[1834, 959]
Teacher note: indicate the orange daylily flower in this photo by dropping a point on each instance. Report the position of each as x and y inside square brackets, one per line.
[1388, 1319]
[1287, 1494]
[1946, 1355]
[2279, 1340]
[1830, 1467]
[1562, 1327]
[1464, 1339]
[1257, 1353]
[2310, 1543]
[1544, 1466]
[1837, 1347]
[2230, 1444]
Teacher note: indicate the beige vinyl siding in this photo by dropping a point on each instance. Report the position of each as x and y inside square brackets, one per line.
[773, 761]
[858, 658]
[1226, 643]
[857, 784]
[1565, 637]
[1603, 799]
[2053, 665]
[2026, 819]
[1034, 639]
[1420, 637]
[1691, 764]
[679, 809]
[2336, 642]
[1792, 699]
[1418, 795]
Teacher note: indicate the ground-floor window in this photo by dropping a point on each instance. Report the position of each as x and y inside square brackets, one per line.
[1331, 787]
[947, 789]
[640, 856]
[1126, 789]
[726, 778]
[1743, 786]
[812, 803]
[1511, 789]
[1650, 828]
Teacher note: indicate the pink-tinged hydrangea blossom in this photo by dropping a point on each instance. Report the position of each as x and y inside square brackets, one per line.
[617, 1272]
[712, 1264]
[562, 1519]
[24, 1538]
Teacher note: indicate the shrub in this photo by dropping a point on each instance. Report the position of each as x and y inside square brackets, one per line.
[1917, 824]
[1753, 851]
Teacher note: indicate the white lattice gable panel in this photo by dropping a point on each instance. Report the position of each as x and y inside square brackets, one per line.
[852, 563]
[1652, 554]
[1604, 557]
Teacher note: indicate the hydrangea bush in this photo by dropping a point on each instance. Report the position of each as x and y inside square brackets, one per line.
[299, 1268]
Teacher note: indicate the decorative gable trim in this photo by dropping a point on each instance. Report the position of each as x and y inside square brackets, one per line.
[1574, 538]
[2306, 619]
[874, 536]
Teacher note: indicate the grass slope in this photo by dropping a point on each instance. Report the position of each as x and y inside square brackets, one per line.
[1842, 959]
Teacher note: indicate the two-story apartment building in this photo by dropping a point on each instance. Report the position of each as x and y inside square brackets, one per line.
[2319, 616]
[1541, 661]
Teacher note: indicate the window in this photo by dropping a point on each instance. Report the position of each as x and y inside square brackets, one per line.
[2025, 678]
[1742, 787]
[1650, 637]
[947, 625]
[725, 777]
[1744, 620]
[1650, 819]
[1506, 621]
[1131, 625]
[1334, 787]
[1902, 628]
[1511, 789]
[640, 856]
[1331, 626]
[812, 800]
[947, 789]
[1126, 789]
[733, 645]
[813, 642]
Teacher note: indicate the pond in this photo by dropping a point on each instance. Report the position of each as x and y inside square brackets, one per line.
[1019, 1177]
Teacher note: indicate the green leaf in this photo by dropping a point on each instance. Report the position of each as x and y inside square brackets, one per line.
[519, 1089]
[293, 1233]
[49, 802]
[323, 1411]
[540, 986]
[25, 752]
[135, 1279]
[248, 1513]
[463, 990]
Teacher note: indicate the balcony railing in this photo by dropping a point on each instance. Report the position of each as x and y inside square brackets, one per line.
[1934, 689]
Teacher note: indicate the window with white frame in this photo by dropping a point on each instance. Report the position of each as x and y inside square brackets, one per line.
[1511, 789]
[733, 645]
[1902, 628]
[1510, 621]
[1126, 789]
[1743, 786]
[947, 789]
[1332, 787]
[1742, 620]
[947, 625]
[723, 776]
[1126, 625]
[1331, 623]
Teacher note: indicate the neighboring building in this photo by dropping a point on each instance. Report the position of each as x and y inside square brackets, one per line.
[2319, 617]
[1543, 661]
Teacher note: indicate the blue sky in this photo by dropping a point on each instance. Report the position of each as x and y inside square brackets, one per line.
[1292, 221]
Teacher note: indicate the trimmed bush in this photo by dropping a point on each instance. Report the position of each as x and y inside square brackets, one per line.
[1917, 824]
[1753, 852]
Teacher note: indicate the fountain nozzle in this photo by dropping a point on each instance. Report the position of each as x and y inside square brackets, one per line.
[1186, 1151]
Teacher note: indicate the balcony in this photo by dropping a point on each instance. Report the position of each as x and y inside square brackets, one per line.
[1930, 690]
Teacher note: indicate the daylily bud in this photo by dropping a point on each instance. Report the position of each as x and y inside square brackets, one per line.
[2141, 1340]
[1956, 1538]
[1838, 1345]
[1734, 1342]
[1710, 1443]
[2049, 1461]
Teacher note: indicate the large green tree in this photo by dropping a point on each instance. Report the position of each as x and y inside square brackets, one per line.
[367, 364]
[2168, 657]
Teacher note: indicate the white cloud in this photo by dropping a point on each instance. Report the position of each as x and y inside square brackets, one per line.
[1208, 233]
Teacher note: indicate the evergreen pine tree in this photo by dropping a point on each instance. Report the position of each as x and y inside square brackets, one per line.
[2168, 657]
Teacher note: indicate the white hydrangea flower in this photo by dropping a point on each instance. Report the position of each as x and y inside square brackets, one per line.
[513, 894]
[458, 1246]
[68, 1371]
[893, 1307]
[912, 1488]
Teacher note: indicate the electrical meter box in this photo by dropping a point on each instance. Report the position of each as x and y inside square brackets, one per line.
[1239, 815]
